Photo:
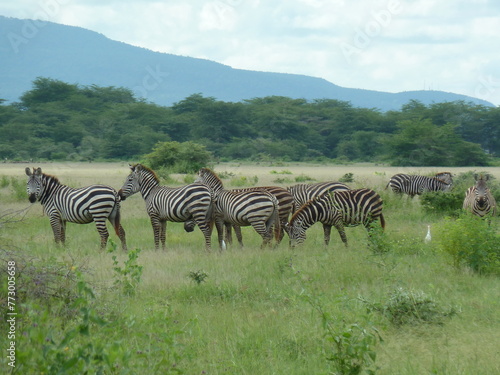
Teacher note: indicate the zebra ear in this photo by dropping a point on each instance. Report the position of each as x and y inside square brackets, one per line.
[28, 171]
[38, 171]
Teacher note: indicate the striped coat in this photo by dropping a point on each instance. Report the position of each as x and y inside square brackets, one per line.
[478, 198]
[416, 185]
[303, 193]
[258, 209]
[339, 209]
[62, 204]
[193, 201]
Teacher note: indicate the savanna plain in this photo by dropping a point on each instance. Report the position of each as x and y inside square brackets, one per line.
[395, 304]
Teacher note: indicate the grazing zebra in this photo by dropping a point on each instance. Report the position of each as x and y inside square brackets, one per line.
[339, 209]
[303, 193]
[478, 198]
[64, 204]
[258, 208]
[416, 185]
[193, 201]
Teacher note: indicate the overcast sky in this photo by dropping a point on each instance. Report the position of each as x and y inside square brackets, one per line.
[389, 45]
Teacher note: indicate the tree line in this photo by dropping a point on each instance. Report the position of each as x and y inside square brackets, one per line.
[56, 120]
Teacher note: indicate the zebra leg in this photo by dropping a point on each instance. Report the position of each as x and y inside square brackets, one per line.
[58, 229]
[163, 233]
[266, 234]
[239, 237]
[327, 230]
[228, 237]
[206, 229]
[100, 224]
[219, 225]
[155, 223]
[340, 229]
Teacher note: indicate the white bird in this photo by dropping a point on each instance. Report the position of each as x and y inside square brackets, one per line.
[428, 236]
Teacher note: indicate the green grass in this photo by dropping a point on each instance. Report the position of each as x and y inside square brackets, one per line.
[256, 311]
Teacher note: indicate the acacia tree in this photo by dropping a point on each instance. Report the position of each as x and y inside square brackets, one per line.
[421, 143]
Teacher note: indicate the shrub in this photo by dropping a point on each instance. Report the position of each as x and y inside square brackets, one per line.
[303, 178]
[410, 307]
[471, 241]
[348, 177]
[185, 157]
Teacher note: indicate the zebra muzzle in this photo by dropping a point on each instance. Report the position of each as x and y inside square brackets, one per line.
[121, 195]
[32, 198]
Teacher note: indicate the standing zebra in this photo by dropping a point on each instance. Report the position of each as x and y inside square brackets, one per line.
[258, 209]
[193, 201]
[302, 193]
[478, 198]
[339, 208]
[416, 185]
[64, 204]
[285, 204]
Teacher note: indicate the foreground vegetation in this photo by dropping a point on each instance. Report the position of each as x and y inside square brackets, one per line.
[396, 305]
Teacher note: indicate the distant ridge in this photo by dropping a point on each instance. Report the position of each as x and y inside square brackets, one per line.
[31, 49]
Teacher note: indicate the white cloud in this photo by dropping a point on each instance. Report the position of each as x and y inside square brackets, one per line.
[397, 45]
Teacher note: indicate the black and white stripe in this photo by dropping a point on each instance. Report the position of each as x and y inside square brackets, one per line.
[340, 208]
[416, 185]
[63, 204]
[193, 201]
[239, 208]
[478, 198]
[303, 193]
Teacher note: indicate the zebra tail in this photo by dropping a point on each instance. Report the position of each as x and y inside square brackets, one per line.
[277, 223]
[382, 221]
[116, 217]
[210, 215]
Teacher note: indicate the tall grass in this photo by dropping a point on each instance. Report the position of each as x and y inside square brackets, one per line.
[259, 311]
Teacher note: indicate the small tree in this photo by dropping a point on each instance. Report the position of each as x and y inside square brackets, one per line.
[176, 157]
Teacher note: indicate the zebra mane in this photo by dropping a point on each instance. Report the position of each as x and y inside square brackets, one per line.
[211, 173]
[147, 169]
[307, 204]
[51, 178]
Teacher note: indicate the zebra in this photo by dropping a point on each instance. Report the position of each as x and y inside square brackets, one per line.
[303, 193]
[339, 208]
[285, 203]
[256, 208]
[478, 198]
[416, 185]
[193, 201]
[64, 204]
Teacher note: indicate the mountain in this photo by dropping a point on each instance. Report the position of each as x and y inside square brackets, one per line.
[31, 49]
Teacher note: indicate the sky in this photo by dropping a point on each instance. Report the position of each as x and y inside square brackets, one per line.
[389, 45]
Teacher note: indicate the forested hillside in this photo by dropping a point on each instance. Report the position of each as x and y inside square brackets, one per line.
[32, 49]
[61, 121]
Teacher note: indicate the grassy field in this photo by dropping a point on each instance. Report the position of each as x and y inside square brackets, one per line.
[312, 310]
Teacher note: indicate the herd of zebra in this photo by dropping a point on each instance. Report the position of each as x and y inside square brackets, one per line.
[268, 209]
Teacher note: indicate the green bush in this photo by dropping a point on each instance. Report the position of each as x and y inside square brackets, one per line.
[471, 241]
[410, 307]
[185, 157]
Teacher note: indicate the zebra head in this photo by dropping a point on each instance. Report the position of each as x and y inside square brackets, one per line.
[189, 225]
[481, 191]
[34, 185]
[296, 231]
[208, 177]
[132, 183]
